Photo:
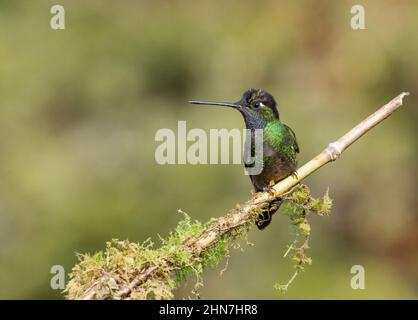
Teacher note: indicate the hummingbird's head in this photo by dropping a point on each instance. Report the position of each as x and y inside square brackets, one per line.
[254, 103]
[260, 102]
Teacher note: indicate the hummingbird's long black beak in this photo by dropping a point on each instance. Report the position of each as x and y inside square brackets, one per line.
[215, 103]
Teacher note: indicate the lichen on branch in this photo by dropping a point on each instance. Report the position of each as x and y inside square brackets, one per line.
[126, 270]
[298, 206]
[112, 273]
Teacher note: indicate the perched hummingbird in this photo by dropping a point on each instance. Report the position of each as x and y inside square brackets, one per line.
[280, 147]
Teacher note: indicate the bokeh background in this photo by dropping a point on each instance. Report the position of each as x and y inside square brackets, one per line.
[79, 109]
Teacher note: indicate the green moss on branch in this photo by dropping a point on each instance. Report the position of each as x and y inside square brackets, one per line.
[126, 270]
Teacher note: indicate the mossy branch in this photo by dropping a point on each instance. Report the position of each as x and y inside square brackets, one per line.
[138, 271]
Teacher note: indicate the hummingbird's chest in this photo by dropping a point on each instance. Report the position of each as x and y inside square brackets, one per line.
[278, 156]
[276, 166]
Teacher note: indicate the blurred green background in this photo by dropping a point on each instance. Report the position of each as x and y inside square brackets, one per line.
[79, 109]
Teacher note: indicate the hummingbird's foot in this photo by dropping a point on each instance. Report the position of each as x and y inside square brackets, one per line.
[295, 175]
[275, 204]
[269, 190]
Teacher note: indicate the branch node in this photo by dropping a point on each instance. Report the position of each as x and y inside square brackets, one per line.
[334, 151]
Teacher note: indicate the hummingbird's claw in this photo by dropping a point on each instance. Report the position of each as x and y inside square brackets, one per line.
[267, 189]
[275, 204]
[295, 175]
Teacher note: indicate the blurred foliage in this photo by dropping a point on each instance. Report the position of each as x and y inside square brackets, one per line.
[79, 109]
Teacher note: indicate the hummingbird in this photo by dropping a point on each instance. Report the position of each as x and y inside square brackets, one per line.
[280, 147]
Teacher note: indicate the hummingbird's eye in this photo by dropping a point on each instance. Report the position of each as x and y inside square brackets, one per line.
[259, 105]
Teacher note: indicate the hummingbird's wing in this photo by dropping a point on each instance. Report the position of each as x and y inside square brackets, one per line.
[295, 141]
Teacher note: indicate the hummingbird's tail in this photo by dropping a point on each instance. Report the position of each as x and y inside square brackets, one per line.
[264, 218]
